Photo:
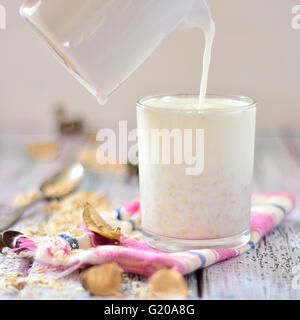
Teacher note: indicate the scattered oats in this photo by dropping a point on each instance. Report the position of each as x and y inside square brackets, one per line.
[91, 136]
[44, 281]
[12, 281]
[51, 206]
[134, 286]
[43, 150]
[29, 231]
[66, 215]
[5, 251]
[40, 270]
[25, 198]
[88, 158]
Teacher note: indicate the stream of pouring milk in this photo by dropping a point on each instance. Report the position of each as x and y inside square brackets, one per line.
[209, 35]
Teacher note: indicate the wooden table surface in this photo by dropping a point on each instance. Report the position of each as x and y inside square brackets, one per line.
[265, 272]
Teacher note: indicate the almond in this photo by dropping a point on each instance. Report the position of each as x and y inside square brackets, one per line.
[168, 284]
[103, 280]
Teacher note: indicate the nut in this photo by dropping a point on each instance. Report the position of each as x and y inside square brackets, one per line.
[168, 284]
[97, 224]
[104, 280]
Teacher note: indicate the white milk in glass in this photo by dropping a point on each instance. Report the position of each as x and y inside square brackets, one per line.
[180, 210]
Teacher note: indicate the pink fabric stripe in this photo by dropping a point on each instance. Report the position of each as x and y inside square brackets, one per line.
[139, 260]
[138, 244]
[132, 207]
[262, 222]
[278, 194]
[25, 243]
[226, 254]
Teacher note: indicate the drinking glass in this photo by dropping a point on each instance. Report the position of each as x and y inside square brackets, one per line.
[200, 201]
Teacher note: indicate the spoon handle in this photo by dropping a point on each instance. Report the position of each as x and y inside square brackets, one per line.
[11, 217]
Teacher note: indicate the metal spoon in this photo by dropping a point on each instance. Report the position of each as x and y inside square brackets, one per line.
[69, 180]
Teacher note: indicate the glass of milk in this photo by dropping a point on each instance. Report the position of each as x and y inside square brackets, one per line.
[195, 169]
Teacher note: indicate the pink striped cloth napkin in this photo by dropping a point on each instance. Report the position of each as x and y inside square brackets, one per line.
[66, 253]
